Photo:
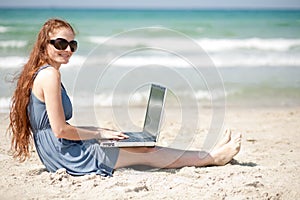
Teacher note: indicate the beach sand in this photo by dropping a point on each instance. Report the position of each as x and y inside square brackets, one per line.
[267, 167]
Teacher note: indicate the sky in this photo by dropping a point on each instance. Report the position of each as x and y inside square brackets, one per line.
[154, 4]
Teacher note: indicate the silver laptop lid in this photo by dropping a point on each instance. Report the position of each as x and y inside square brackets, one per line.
[154, 109]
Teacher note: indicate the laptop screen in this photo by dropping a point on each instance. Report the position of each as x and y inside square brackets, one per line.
[154, 109]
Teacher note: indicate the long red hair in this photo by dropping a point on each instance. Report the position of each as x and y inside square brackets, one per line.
[19, 126]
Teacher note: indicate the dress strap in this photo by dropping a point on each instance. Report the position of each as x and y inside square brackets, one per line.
[40, 69]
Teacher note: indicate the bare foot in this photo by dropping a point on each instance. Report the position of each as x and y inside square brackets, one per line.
[224, 154]
[225, 139]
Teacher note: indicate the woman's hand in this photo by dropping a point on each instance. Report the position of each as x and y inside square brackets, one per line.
[111, 134]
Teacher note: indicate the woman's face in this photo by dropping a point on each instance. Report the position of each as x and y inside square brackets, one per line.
[59, 57]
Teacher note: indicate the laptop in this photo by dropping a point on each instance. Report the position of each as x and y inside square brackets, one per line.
[153, 118]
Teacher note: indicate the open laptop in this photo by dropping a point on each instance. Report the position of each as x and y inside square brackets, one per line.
[152, 123]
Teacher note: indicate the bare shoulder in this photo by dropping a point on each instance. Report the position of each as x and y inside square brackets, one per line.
[48, 75]
[47, 79]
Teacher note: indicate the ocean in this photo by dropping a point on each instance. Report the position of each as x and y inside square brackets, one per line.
[228, 57]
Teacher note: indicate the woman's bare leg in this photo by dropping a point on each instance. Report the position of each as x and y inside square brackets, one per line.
[161, 157]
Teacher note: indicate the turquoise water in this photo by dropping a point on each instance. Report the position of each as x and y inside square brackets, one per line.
[256, 52]
[22, 25]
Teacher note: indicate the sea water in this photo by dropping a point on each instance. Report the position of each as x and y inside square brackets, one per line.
[252, 56]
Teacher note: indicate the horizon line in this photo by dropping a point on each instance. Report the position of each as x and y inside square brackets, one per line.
[152, 9]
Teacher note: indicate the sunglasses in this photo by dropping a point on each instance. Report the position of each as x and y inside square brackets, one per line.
[62, 44]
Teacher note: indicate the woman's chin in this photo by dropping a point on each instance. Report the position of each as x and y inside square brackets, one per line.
[65, 62]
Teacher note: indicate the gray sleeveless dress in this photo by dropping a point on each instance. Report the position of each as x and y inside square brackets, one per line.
[77, 157]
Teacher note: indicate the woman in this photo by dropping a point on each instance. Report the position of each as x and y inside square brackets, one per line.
[41, 106]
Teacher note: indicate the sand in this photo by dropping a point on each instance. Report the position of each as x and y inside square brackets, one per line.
[267, 167]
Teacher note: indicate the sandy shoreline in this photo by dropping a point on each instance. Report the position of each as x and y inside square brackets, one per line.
[266, 168]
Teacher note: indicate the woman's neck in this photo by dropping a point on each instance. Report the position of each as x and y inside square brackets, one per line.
[55, 65]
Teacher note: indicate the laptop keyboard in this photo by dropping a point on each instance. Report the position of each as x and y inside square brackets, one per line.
[138, 137]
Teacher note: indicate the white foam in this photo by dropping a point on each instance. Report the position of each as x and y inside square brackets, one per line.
[133, 61]
[119, 42]
[12, 61]
[272, 44]
[249, 52]
[108, 99]
[237, 59]
[103, 100]
[256, 60]
[3, 29]
[75, 61]
[13, 44]
[208, 44]
[98, 39]
[203, 95]
[4, 102]
[18, 61]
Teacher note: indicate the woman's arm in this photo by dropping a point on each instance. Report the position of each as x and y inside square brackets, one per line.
[48, 82]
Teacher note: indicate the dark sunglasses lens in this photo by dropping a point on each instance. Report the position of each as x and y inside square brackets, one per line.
[61, 44]
[73, 46]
